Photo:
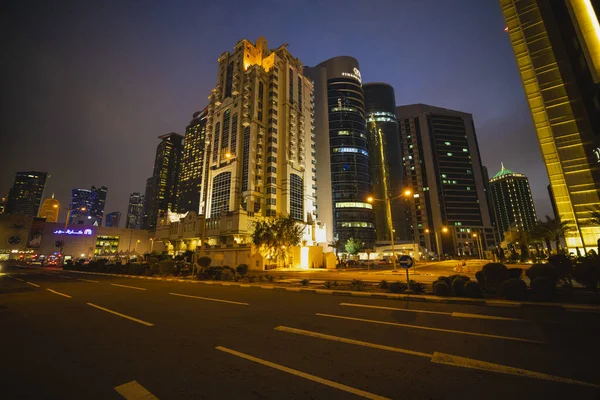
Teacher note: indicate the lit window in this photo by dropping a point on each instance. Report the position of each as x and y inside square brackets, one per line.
[450, 154]
[349, 204]
[447, 143]
[465, 150]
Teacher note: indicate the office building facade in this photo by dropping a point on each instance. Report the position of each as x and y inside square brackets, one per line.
[557, 48]
[260, 156]
[148, 202]
[443, 166]
[385, 161]
[50, 209]
[87, 206]
[512, 201]
[165, 178]
[192, 162]
[342, 151]
[135, 211]
[113, 219]
[25, 196]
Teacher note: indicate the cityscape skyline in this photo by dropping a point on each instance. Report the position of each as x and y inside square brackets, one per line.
[497, 121]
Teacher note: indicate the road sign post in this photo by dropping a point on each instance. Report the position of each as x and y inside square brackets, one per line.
[406, 262]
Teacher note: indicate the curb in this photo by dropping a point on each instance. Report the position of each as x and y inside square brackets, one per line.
[572, 307]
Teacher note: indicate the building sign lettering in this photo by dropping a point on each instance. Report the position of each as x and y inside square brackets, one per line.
[73, 232]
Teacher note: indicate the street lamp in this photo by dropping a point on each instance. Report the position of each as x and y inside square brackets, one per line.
[479, 245]
[388, 207]
[437, 241]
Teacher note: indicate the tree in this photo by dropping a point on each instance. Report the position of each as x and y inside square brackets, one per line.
[337, 245]
[594, 219]
[539, 233]
[275, 236]
[353, 246]
[555, 229]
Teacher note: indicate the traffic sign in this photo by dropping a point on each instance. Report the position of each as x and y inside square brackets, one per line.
[406, 261]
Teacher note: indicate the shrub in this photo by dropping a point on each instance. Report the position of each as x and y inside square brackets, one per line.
[441, 288]
[401, 287]
[305, 282]
[464, 277]
[155, 270]
[515, 273]
[458, 286]
[514, 289]
[495, 273]
[327, 284]
[542, 271]
[204, 261]
[166, 267]
[152, 261]
[357, 284]
[213, 273]
[242, 269]
[397, 287]
[335, 283]
[543, 288]
[587, 273]
[147, 270]
[480, 277]
[417, 287]
[446, 279]
[271, 278]
[136, 268]
[252, 278]
[563, 266]
[383, 284]
[473, 290]
[226, 275]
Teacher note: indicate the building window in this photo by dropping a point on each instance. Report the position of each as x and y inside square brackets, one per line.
[226, 124]
[234, 128]
[220, 194]
[246, 150]
[229, 80]
[300, 91]
[216, 141]
[296, 197]
[272, 170]
[291, 81]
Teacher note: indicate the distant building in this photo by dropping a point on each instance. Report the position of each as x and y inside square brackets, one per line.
[443, 166]
[50, 209]
[113, 219]
[148, 202]
[192, 162]
[87, 206]
[165, 178]
[25, 197]
[385, 161]
[135, 211]
[512, 201]
[557, 49]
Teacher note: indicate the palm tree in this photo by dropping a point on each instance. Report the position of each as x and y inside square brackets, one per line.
[555, 229]
[594, 219]
[539, 234]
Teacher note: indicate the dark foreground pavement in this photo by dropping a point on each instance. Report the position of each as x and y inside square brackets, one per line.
[77, 336]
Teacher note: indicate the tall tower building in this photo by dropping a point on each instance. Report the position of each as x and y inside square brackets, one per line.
[98, 200]
[87, 206]
[148, 202]
[165, 178]
[443, 167]
[50, 209]
[192, 162]
[342, 151]
[260, 152]
[135, 212]
[385, 160]
[511, 197]
[113, 219]
[25, 196]
[557, 47]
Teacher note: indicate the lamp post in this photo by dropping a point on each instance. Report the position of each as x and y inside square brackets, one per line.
[62, 242]
[479, 245]
[388, 208]
[438, 243]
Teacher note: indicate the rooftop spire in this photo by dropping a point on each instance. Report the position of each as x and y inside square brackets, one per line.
[502, 166]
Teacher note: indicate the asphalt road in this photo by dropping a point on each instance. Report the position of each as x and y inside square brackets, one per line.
[66, 335]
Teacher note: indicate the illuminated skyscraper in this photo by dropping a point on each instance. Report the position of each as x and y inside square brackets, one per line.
[165, 178]
[87, 206]
[557, 47]
[512, 201]
[342, 151]
[260, 152]
[50, 209]
[25, 196]
[113, 219]
[192, 161]
[135, 211]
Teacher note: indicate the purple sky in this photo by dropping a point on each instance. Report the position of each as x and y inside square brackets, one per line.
[87, 86]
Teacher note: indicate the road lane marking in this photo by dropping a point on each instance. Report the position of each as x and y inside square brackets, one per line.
[448, 359]
[210, 299]
[352, 341]
[88, 280]
[64, 277]
[120, 315]
[304, 375]
[33, 284]
[134, 391]
[442, 358]
[20, 280]
[130, 287]
[59, 293]
[431, 329]
[452, 314]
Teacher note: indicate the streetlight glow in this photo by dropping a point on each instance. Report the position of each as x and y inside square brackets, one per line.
[370, 199]
[444, 229]
[407, 192]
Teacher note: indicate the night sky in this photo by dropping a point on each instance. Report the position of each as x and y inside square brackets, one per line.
[87, 86]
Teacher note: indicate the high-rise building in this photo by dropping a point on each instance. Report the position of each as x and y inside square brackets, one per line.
[135, 211]
[512, 201]
[192, 161]
[165, 178]
[342, 151]
[557, 47]
[113, 219]
[148, 202]
[87, 206]
[50, 209]
[385, 161]
[443, 166]
[25, 196]
[260, 160]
